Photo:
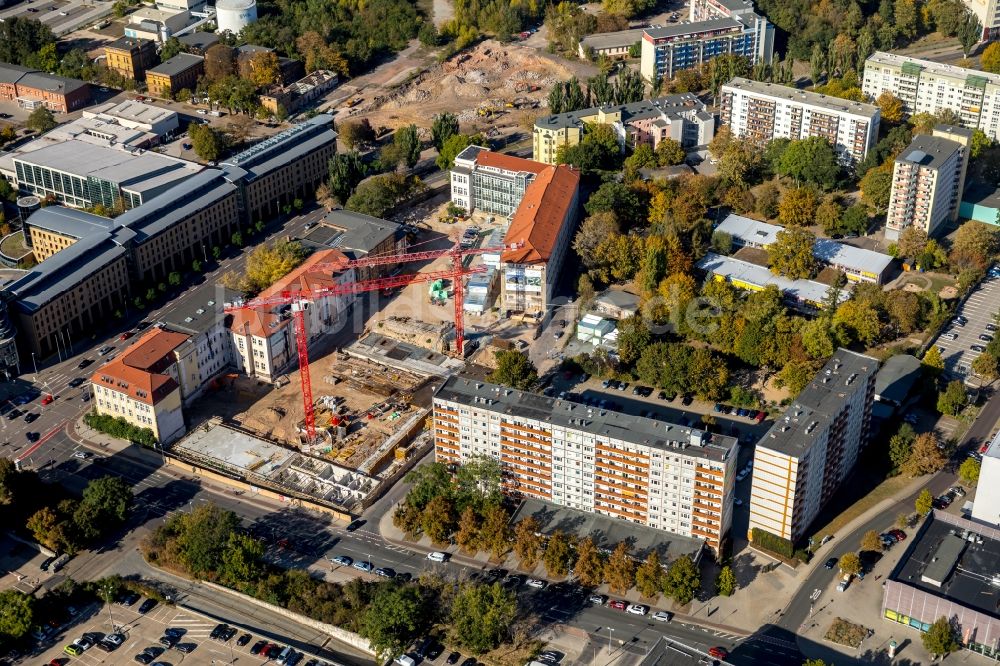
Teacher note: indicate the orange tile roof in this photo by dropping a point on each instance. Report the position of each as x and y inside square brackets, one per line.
[509, 162]
[305, 278]
[257, 323]
[138, 372]
[539, 219]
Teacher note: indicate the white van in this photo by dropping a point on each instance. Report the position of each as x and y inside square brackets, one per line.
[405, 660]
[437, 556]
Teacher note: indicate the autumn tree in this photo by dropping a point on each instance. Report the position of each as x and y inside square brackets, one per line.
[828, 215]
[589, 567]
[356, 133]
[871, 542]
[593, 231]
[969, 471]
[438, 520]
[467, 535]
[891, 107]
[986, 366]
[558, 554]
[859, 319]
[683, 580]
[669, 152]
[791, 254]
[649, 575]
[850, 563]
[619, 570]
[725, 584]
[265, 265]
[926, 456]
[912, 241]
[990, 60]
[262, 68]
[41, 120]
[932, 361]
[220, 62]
[528, 541]
[973, 246]
[514, 369]
[320, 55]
[797, 207]
[924, 502]
[494, 535]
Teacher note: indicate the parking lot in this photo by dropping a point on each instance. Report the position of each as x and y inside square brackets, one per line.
[142, 631]
[961, 342]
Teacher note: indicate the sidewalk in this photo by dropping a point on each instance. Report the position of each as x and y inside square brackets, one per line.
[481, 561]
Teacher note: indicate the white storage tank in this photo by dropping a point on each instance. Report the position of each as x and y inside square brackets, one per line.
[234, 15]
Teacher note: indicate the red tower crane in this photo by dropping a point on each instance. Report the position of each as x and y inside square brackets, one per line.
[297, 300]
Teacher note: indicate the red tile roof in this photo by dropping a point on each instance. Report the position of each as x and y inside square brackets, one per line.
[509, 162]
[305, 278]
[139, 371]
[256, 323]
[543, 211]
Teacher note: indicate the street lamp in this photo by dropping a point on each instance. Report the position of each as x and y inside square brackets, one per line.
[34, 364]
[107, 597]
[610, 631]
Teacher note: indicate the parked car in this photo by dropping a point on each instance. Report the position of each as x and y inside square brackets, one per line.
[244, 639]
[111, 642]
[363, 566]
[830, 563]
[385, 572]
[128, 599]
[617, 604]
[536, 583]
[30, 417]
[258, 647]
[663, 616]
[185, 648]
[453, 658]
[147, 606]
[598, 599]
[718, 652]
[342, 560]
[958, 490]
[637, 609]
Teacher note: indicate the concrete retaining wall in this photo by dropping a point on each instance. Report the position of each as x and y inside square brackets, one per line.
[336, 633]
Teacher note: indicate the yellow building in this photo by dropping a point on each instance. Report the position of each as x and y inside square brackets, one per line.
[180, 72]
[141, 386]
[131, 57]
[55, 228]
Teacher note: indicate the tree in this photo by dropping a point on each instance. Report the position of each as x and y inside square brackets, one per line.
[924, 502]
[438, 519]
[111, 497]
[528, 541]
[912, 242]
[379, 195]
[990, 60]
[319, 54]
[589, 568]
[987, 366]
[41, 120]
[207, 142]
[932, 361]
[968, 471]
[242, 561]
[649, 575]
[357, 134]
[791, 254]
[953, 399]
[850, 563]
[860, 319]
[454, 145]
[265, 265]
[593, 231]
[44, 527]
[443, 126]
[670, 152]
[393, 619]
[407, 142]
[973, 246]
[494, 535]
[16, 609]
[797, 207]
[901, 445]
[468, 530]
[345, 170]
[891, 107]
[482, 615]
[979, 141]
[262, 68]
[876, 186]
[220, 62]
[725, 584]
[926, 457]
[626, 203]
[811, 160]
[633, 337]
[828, 215]
[558, 554]
[514, 369]
[941, 638]
[767, 202]
[619, 570]
[682, 581]
[871, 542]
[970, 32]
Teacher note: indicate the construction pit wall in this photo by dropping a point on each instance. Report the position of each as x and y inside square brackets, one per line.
[260, 467]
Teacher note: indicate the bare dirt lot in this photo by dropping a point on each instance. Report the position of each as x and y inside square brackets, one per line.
[484, 86]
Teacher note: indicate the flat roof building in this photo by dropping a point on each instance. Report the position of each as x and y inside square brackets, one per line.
[137, 115]
[611, 44]
[358, 235]
[927, 179]
[809, 451]
[807, 296]
[896, 378]
[949, 571]
[764, 111]
[681, 117]
[986, 508]
[53, 228]
[172, 76]
[661, 475]
[926, 86]
[670, 49]
[858, 264]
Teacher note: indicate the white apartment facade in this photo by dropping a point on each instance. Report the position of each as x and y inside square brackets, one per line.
[808, 452]
[263, 344]
[988, 13]
[926, 181]
[766, 111]
[986, 508]
[930, 87]
[661, 475]
[482, 180]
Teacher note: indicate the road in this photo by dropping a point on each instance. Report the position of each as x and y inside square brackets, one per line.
[798, 609]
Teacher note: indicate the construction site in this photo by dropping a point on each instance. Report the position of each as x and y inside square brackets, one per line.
[487, 83]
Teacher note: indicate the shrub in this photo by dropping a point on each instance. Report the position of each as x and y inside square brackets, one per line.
[117, 426]
[772, 542]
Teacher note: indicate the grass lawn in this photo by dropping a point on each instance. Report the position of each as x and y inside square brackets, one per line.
[885, 490]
